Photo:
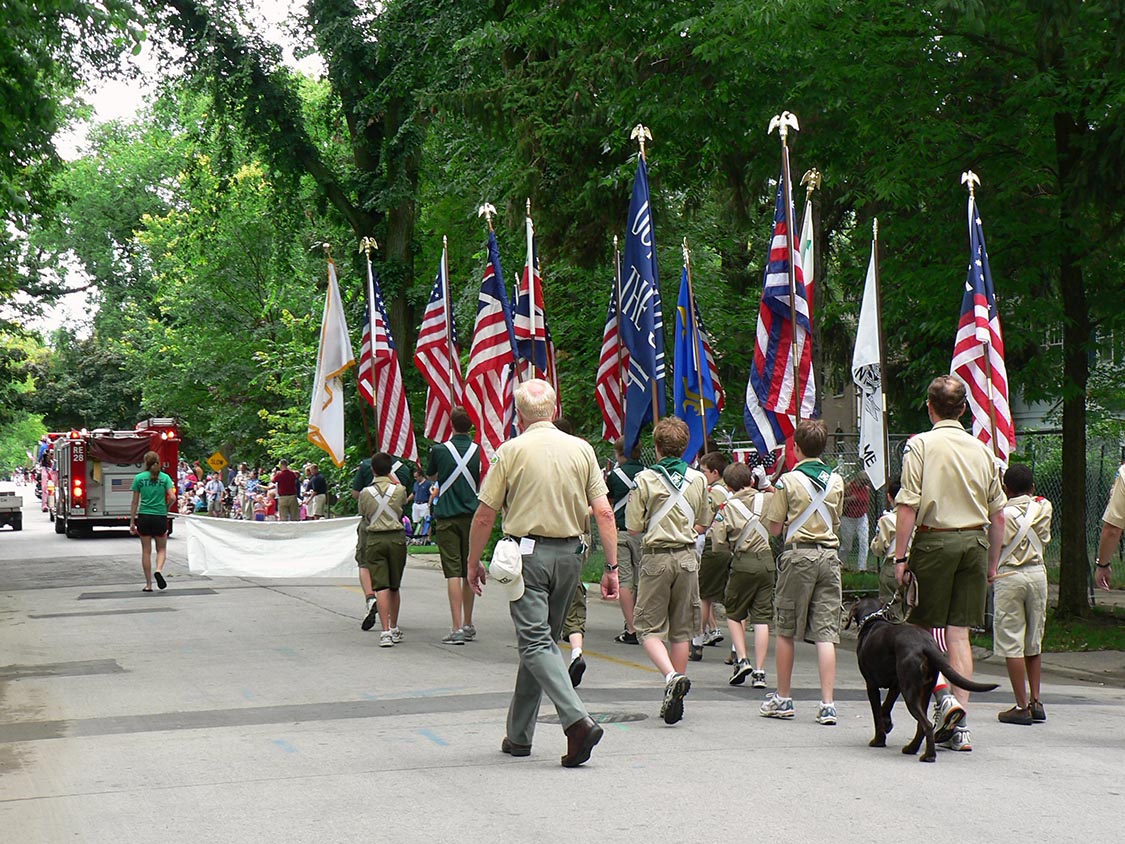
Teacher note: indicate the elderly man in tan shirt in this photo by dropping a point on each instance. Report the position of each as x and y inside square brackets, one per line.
[545, 482]
[951, 499]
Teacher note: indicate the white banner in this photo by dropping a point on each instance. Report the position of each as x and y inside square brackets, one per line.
[334, 357]
[867, 374]
[233, 548]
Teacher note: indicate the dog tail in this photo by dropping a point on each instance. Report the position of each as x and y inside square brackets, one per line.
[941, 660]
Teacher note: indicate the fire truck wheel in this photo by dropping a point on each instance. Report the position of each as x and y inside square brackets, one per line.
[60, 524]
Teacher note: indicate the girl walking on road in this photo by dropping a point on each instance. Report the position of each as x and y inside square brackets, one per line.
[153, 494]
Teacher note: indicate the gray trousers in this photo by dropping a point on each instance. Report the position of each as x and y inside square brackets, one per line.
[551, 573]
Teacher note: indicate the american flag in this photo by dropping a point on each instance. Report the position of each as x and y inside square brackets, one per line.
[609, 388]
[488, 385]
[771, 400]
[380, 378]
[536, 354]
[709, 353]
[978, 335]
[437, 358]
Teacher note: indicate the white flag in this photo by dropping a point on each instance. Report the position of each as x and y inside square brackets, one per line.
[867, 374]
[333, 359]
[805, 247]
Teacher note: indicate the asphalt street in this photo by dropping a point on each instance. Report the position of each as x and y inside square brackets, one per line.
[237, 710]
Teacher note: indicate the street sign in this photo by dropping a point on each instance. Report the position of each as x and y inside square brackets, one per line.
[217, 462]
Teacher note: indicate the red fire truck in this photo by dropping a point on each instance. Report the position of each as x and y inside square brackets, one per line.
[96, 470]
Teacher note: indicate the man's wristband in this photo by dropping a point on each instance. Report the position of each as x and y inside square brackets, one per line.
[901, 561]
[611, 568]
[1102, 565]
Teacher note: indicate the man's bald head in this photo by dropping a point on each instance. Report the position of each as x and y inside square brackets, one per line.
[535, 401]
[946, 396]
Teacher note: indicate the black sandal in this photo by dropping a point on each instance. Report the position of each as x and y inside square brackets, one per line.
[147, 589]
[160, 581]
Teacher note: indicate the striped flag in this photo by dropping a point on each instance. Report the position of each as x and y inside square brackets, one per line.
[380, 378]
[709, 354]
[535, 350]
[488, 384]
[436, 357]
[692, 388]
[771, 397]
[613, 366]
[334, 357]
[980, 346]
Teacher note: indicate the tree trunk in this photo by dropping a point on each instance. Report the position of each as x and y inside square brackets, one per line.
[1074, 566]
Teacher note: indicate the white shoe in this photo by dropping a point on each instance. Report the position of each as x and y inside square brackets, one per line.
[386, 639]
[962, 740]
[397, 635]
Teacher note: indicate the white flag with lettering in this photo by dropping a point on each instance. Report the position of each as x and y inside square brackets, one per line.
[867, 374]
[333, 359]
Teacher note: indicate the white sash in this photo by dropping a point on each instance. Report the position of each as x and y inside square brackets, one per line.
[675, 499]
[629, 482]
[461, 468]
[382, 503]
[817, 506]
[753, 520]
[1024, 532]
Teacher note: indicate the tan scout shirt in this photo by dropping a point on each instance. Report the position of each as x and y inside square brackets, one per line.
[883, 544]
[1025, 553]
[729, 522]
[675, 529]
[543, 482]
[1115, 509]
[391, 517]
[950, 478]
[792, 498]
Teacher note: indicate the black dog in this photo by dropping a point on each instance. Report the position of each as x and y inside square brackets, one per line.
[904, 660]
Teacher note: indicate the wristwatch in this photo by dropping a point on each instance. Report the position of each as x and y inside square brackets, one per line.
[611, 568]
[1102, 565]
[901, 561]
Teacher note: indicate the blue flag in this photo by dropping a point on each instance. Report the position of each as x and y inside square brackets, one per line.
[641, 320]
[692, 385]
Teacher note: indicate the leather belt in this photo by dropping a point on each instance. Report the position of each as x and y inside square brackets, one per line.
[929, 529]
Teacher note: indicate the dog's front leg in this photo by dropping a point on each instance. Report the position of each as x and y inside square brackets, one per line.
[916, 702]
[880, 739]
[888, 705]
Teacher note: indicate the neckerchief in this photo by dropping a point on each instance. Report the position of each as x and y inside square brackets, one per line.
[673, 468]
[817, 472]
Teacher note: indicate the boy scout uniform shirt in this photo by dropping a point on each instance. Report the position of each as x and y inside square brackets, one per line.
[960, 485]
[791, 500]
[1025, 554]
[729, 522]
[717, 493]
[675, 530]
[617, 488]
[391, 517]
[460, 499]
[883, 544]
[543, 482]
[1115, 509]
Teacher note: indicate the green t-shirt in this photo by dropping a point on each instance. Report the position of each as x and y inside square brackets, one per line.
[619, 490]
[154, 501]
[363, 476]
[461, 498]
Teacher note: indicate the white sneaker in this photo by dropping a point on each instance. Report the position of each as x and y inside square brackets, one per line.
[758, 679]
[962, 739]
[776, 706]
[469, 632]
[948, 713]
[827, 714]
[397, 635]
[386, 639]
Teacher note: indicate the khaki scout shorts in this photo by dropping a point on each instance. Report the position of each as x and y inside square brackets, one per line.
[628, 559]
[808, 602]
[576, 615]
[384, 555]
[714, 566]
[452, 539]
[952, 571]
[1020, 601]
[668, 595]
[749, 595]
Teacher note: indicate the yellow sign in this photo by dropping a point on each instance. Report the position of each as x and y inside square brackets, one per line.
[217, 462]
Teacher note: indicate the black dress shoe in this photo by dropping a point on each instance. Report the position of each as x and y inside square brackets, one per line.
[576, 670]
[513, 749]
[581, 736]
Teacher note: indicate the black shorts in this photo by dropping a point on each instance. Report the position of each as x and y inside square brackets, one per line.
[151, 525]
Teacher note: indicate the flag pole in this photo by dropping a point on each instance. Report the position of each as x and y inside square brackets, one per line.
[366, 244]
[448, 314]
[617, 309]
[783, 122]
[971, 178]
[640, 134]
[882, 347]
[694, 333]
[529, 268]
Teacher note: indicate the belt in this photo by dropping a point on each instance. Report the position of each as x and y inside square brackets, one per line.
[929, 529]
[673, 549]
[809, 546]
[535, 538]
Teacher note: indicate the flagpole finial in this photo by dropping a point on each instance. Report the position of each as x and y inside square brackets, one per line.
[783, 123]
[327, 247]
[487, 211]
[444, 242]
[368, 245]
[972, 179]
[527, 206]
[640, 134]
[875, 228]
[687, 253]
[811, 180]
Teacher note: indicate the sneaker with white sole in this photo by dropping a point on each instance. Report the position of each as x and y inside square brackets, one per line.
[712, 637]
[826, 714]
[397, 635]
[962, 739]
[948, 713]
[469, 632]
[776, 706]
[758, 678]
[742, 670]
[386, 640]
[454, 637]
[675, 690]
[372, 614]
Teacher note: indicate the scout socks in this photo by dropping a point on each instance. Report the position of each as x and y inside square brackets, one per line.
[575, 653]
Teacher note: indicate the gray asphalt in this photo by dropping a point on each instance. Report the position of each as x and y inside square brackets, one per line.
[231, 710]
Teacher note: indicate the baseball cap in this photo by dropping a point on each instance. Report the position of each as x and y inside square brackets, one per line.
[506, 568]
